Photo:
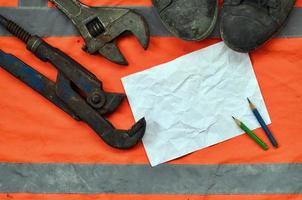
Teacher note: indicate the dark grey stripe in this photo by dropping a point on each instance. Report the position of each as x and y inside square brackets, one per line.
[142, 179]
[34, 3]
[50, 22]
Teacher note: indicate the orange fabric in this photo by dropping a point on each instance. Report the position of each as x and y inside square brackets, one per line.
[146, 197]
[35, 131]
[298, 3]
[137, 2]
[46, 134]
[8, 3]
[114, 3]
[110, 2]
[118, 2]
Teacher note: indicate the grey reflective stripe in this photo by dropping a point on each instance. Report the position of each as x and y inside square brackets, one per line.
[51, 22]
[142, 179]
[34, 3]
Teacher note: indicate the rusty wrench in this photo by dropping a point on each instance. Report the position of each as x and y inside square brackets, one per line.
[101, 26]
[76, 91]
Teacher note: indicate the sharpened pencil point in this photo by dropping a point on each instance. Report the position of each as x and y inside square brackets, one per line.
[253, 107]
[237, 121]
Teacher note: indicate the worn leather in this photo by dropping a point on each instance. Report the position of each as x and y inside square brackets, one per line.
[247, 24]
[188, 19]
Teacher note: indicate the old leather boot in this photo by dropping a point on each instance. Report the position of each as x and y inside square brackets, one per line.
[247, 24]
[188, 19]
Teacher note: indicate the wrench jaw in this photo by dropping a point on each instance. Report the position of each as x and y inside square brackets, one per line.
[121, 139]
[130, 22]
[125, 139]
[104, 40]
[137, 25]
[112, 53]
[113, 101]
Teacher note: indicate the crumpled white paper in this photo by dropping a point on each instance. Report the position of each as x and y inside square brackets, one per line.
[189, 103]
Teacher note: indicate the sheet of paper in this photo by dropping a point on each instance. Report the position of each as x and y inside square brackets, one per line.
[188, 103]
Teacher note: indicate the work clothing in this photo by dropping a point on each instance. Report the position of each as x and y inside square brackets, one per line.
[45, 154]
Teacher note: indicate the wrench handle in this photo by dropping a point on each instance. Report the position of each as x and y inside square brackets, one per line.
[71, 8]
[34, 80]
[74, 71]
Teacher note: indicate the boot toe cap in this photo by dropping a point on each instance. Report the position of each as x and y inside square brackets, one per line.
[190, 19]
[245, 33]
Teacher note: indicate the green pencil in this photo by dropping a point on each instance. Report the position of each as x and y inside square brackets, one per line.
[251, 134]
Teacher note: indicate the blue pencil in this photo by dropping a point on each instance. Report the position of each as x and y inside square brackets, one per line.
[263, 124]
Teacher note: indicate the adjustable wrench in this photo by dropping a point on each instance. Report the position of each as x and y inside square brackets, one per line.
[101, 26]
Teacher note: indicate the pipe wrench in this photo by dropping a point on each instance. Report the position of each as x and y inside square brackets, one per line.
[76, 91]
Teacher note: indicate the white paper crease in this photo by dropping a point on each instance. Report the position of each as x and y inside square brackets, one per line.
[188, 103]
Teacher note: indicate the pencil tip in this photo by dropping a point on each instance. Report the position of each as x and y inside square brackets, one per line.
[253, 107]
[233, 117]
